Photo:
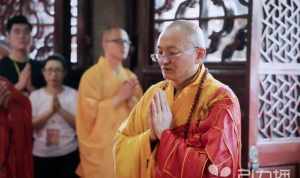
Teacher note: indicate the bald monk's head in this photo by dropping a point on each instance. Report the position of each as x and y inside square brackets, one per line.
[180, 50]
[116, 44]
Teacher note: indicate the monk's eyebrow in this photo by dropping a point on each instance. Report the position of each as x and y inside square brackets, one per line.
[167, 48]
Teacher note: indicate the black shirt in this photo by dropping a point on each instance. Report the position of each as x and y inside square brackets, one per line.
[9, 71]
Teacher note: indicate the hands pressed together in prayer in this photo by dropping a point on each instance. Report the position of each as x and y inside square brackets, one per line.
[126, 91]
[160, 115]
[55, 107]
[24, 81]
[4, 94]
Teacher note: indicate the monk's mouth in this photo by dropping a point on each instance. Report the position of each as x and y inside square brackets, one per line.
[167, 69]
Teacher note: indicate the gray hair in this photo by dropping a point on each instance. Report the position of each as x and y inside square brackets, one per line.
[191, 30]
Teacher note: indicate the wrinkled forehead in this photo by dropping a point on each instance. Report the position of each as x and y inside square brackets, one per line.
[172, 38]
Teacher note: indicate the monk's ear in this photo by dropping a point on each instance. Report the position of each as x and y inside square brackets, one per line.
[200, 52]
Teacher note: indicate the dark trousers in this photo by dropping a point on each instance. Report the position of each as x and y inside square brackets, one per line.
[56, 167]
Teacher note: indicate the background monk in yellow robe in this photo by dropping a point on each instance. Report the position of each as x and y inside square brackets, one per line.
[187, 126]
[107, 93]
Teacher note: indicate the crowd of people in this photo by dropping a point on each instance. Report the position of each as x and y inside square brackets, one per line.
[109, 128]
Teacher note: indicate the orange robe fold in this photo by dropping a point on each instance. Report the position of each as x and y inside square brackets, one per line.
[16, 136]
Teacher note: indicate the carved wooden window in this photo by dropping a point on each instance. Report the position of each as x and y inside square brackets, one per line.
[279, 97]
[41, 15]
[52, 21]
[224, 24]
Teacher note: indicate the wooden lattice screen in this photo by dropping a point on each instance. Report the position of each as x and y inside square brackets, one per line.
[279, 96]
[274, 87]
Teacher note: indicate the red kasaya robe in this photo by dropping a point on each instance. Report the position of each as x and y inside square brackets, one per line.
[16, 136]
[210, 150]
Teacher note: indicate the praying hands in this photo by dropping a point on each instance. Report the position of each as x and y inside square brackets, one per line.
[161, 115]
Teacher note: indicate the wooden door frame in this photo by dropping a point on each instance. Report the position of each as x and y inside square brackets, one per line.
[266, 149]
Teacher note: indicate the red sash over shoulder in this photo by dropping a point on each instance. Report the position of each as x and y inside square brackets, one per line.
[211, 149]
[16, 137]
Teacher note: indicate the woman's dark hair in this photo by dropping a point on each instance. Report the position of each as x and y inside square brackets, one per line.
[56, 57]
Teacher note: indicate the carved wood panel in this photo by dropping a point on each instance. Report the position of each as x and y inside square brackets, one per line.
[41, 14]
[279, 95]
[274, 89]
[280, 33]
[279, 112]
[224, 23]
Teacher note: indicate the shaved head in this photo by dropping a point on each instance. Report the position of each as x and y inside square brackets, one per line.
[192, 31]
[115, 44]
[111, 31]
[180, 50]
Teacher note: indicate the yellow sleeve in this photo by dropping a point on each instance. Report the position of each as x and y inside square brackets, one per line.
[132, 155]
[89, 120]
[138, 90]
[132, 152]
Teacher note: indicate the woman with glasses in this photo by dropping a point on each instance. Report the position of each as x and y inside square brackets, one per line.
[53, 109]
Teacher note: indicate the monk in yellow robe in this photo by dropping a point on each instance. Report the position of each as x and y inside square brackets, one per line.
[187, 126]
[107, 93]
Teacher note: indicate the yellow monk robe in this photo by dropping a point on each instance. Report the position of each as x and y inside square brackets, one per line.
[214, 138]
[97, 121]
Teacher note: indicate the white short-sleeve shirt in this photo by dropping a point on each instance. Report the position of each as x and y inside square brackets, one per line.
[41, 102]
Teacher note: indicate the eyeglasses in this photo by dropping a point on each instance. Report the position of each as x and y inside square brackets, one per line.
[53, 70]
[120, 41]
[156, 57]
